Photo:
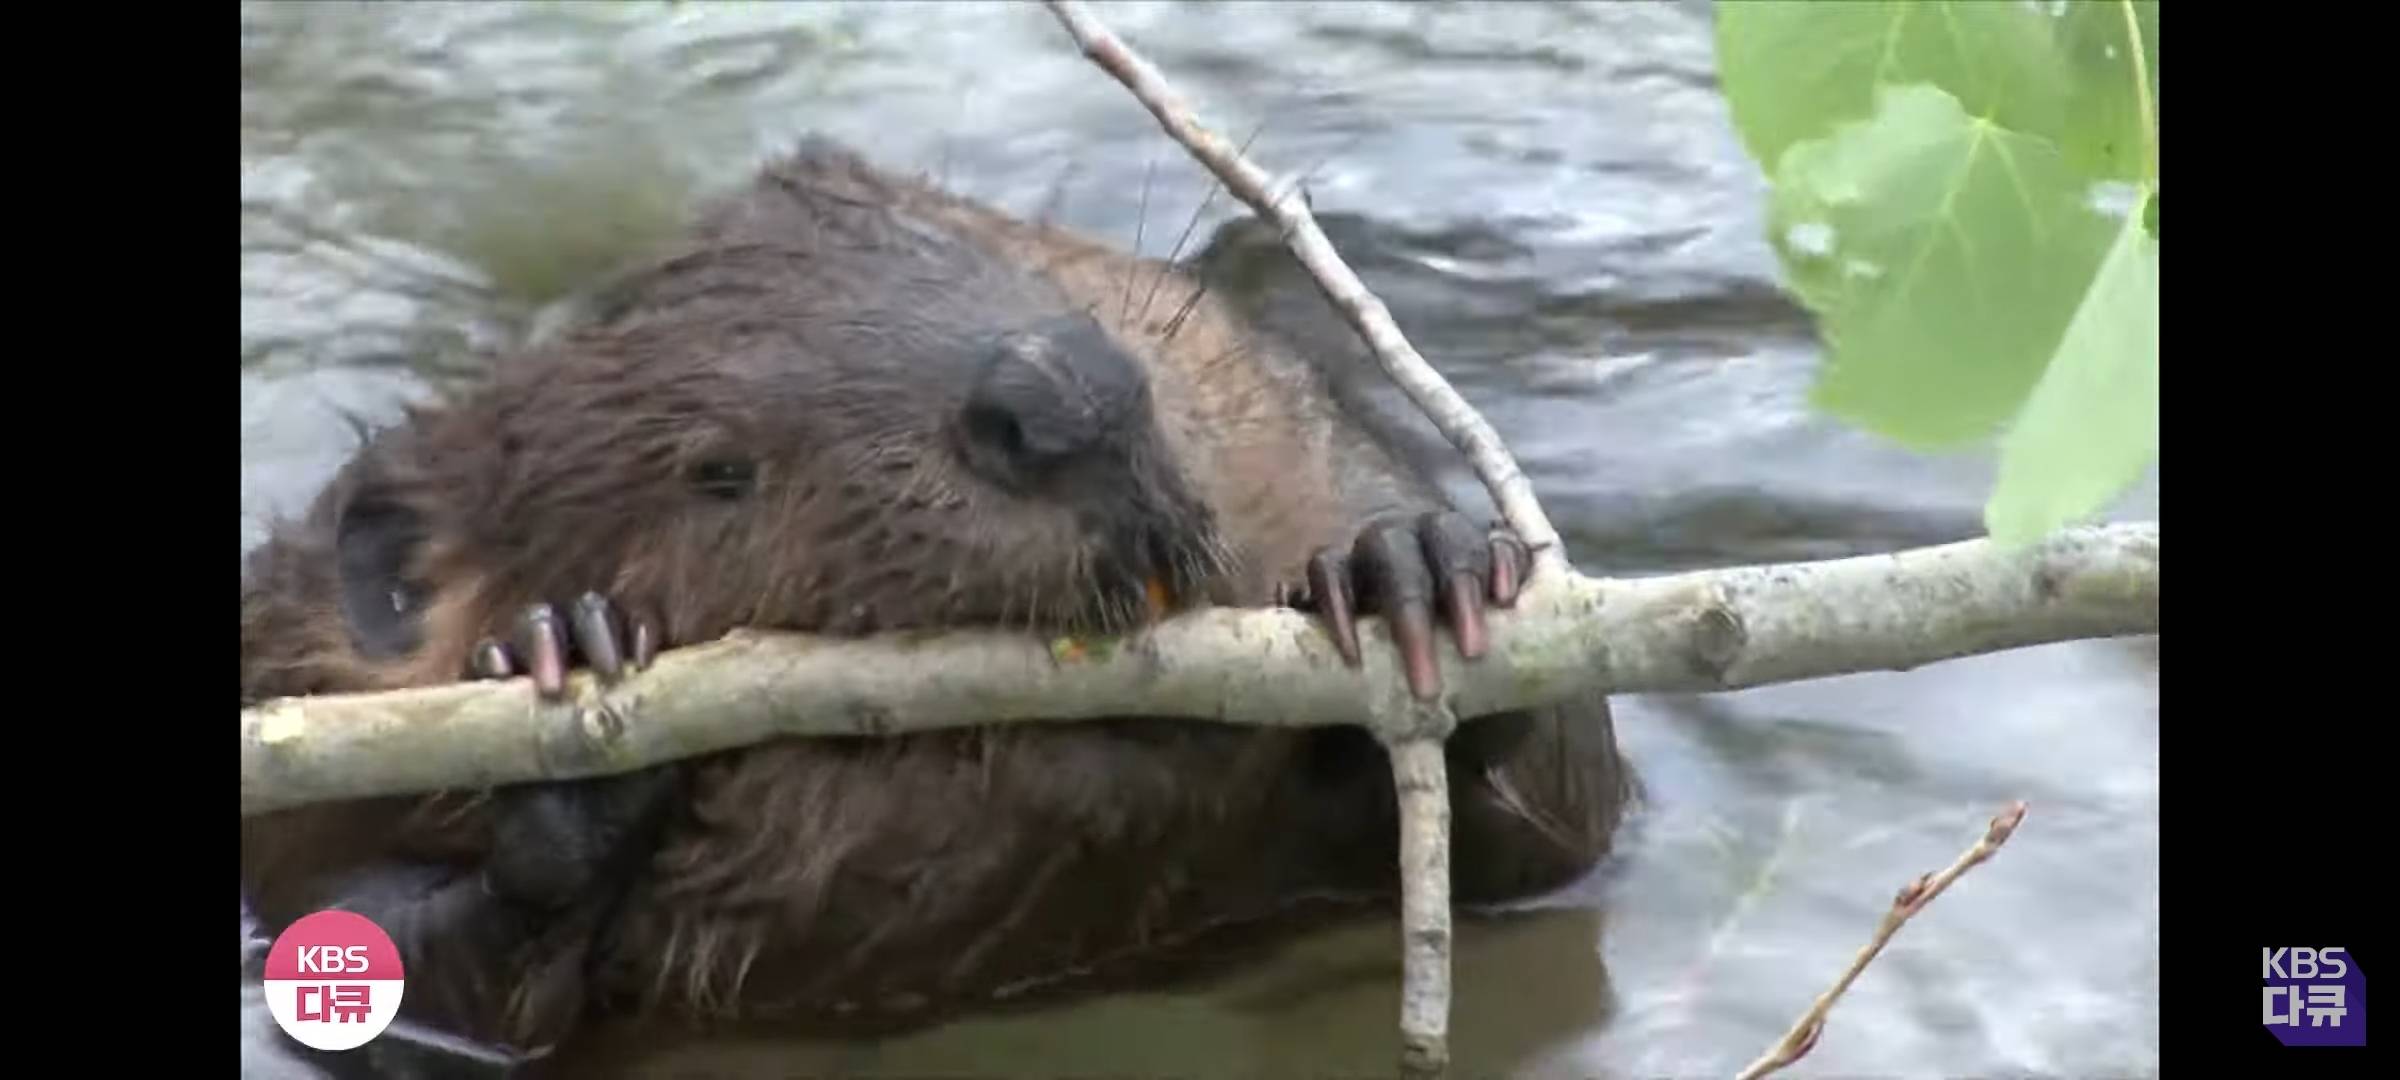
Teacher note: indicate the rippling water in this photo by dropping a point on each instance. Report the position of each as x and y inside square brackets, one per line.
[1552, 203]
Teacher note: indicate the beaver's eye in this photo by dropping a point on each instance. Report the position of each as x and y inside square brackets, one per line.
[724, 478]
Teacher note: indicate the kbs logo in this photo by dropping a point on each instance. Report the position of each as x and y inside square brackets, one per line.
[333, 980]
[2315, 997]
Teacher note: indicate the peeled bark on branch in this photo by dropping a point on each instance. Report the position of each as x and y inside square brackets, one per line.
[1568, 634]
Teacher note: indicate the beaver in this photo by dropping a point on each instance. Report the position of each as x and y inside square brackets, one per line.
[846, 402]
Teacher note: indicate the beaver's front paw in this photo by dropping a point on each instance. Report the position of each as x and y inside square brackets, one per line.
[545, 645]
[553, 843]
[1400, 568]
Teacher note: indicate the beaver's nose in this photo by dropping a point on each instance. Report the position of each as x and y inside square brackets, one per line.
[1047, 396]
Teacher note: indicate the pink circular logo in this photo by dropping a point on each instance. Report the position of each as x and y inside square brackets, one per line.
[333, 980]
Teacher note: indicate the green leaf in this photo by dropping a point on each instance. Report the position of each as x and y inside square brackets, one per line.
[2107, 136]
[1944, 256]
[1792, 71]
[2091, 427]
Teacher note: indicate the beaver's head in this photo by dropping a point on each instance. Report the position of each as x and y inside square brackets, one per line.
[833, 416]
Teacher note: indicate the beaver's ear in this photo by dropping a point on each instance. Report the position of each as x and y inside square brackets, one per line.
[375, 546]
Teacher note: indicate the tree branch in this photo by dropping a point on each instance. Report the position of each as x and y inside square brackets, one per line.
[1568, 634]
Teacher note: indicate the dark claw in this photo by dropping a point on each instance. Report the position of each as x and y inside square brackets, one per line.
[645, 645]
[1462, 604]
[491, 660]
[598, 637]
[1391, 564]
[1412, 628]
[543, 644]
[1329, 592]
[1461, 558]
[1510, 561]
[1407, 569]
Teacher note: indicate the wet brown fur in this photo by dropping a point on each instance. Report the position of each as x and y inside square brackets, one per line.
[818, 879]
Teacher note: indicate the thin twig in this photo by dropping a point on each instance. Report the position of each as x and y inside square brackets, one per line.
[1422, 778]
[1458, 421]
[1803, 1036]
